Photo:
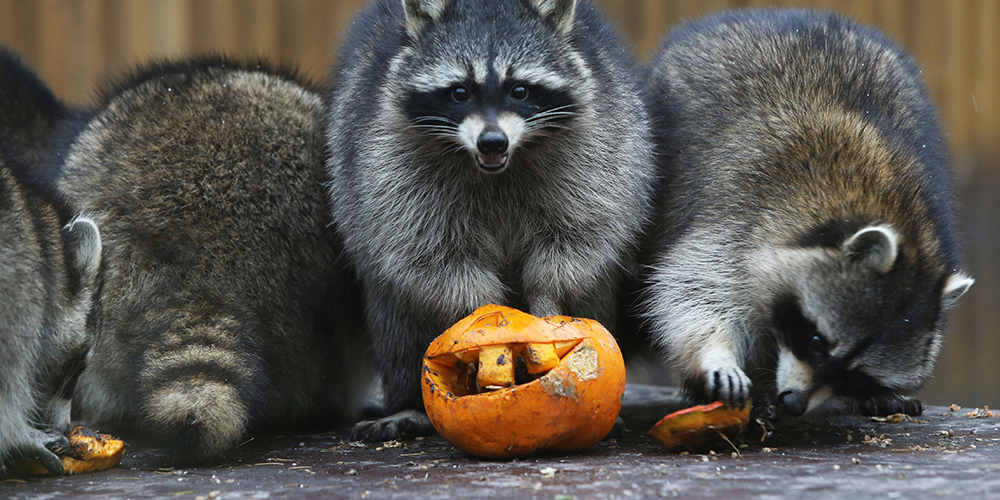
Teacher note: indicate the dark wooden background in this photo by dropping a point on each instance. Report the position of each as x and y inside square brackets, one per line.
[77, 44]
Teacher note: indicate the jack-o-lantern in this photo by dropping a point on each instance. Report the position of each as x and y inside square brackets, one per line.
[503, 383]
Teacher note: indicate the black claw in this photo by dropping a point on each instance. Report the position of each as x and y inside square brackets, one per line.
[56, 442]
[51, 461]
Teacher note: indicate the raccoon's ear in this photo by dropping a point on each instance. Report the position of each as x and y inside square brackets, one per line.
[558, 12]
[874, 246]
[83, 249]
[419, 13]
[955, 287]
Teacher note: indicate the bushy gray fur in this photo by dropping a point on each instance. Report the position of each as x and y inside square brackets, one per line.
[226, 305]
[449, 199]
[807, 239]
[48, 274]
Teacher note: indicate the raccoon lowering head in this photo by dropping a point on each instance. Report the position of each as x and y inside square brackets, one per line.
[861, 321]
[484, 79]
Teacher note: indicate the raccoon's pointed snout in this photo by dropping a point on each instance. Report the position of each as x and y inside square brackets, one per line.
[492, 145]
[793, 403]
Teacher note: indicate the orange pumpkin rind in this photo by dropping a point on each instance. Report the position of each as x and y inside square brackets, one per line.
[565, 395]
[694, 426]
[89, 451]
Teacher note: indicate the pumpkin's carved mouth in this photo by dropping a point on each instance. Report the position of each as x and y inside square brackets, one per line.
[493, 367]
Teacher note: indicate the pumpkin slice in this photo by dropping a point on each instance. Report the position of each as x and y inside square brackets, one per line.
[503, 383]
[88, 451]
[541, 357]
[496, 366]
[694, 426]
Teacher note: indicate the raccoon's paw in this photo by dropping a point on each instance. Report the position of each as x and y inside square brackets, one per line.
[407, 422]
[890, 405]
[729, 385]
[43, 446]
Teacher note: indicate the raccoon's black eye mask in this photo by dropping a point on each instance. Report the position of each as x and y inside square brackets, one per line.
[540, 106]
[800, 333]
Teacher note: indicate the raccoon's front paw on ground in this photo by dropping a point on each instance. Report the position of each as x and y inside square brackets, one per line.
[890, 405]
[729, 385]
[44, 446]
[407, 422]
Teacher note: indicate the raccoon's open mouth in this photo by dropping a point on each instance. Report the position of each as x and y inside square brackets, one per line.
[492, 162]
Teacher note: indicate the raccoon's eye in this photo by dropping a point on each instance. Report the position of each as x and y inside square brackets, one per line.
[519, 92]
[818, 345]
[460, 94]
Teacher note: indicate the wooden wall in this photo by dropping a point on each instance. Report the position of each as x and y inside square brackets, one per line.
[77, 44]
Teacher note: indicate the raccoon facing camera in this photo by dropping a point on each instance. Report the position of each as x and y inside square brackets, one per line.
[226, 306]
[806, 243]
[483, 151]
[48, 275]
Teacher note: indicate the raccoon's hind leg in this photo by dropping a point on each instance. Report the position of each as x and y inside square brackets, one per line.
[203, 388]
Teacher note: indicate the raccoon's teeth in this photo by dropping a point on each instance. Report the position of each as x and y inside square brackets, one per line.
[492, 161]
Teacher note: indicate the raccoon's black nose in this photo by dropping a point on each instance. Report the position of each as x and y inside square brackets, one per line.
[492, 142]
[793, 402]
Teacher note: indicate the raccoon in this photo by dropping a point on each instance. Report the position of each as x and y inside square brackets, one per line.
[226, 306]
[806, 242]
[48, 275]
[29, 112]
[482, 151]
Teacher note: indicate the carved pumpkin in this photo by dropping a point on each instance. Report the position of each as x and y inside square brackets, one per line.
[503, 383]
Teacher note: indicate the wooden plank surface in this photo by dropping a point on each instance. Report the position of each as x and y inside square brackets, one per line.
[942, 454]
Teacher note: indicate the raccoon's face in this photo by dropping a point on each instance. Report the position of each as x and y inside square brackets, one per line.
[487, 79]
[862, 321]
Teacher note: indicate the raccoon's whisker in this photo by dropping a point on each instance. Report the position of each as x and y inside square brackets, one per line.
[544, 127]
[555, 112]
[437, 119]
[457, 148]
[434, 129]
[567, 110]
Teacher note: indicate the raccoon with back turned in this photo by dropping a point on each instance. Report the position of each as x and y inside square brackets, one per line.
[226, 305]
[482, 151]
[806, 243]
[48, 276]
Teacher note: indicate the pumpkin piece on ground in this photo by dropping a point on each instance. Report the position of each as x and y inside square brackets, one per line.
[694, 426]
[89, 451]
